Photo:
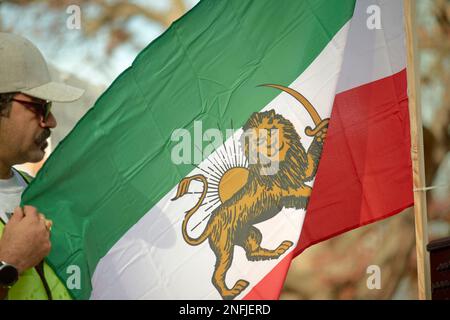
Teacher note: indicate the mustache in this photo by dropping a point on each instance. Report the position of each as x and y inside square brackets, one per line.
[43, 136]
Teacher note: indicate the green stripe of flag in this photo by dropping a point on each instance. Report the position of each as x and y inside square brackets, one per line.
[116, 164]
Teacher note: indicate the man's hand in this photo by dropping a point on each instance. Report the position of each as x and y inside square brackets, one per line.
[26, 239]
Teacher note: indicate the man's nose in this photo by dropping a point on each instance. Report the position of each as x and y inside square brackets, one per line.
[50, 122]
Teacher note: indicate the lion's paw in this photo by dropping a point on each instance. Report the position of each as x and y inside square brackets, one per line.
[322, 134]
[237, 289]
[283, 247]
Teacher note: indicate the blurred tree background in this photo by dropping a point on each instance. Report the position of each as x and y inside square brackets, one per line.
[113, 32]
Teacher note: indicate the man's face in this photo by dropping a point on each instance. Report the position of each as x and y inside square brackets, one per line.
[24, 133]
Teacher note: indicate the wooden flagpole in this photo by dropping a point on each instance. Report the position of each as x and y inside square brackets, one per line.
[417, 156]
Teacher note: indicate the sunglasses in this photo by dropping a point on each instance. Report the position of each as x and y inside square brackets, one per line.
[40, 108]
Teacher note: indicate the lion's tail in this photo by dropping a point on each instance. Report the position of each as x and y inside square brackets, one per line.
[183, 188]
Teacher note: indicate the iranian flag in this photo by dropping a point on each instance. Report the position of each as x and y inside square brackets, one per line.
[196, 175]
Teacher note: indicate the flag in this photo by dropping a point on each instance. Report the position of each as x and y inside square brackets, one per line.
[194, 174]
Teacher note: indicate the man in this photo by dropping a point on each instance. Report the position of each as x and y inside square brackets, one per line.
[26, 93]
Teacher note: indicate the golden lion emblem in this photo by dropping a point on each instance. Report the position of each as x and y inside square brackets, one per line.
[262, 196]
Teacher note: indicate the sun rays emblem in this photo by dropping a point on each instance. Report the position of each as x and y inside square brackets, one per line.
[236, 193]
[225, 171]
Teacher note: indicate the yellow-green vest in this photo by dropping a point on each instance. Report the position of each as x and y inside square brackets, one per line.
[30, 286]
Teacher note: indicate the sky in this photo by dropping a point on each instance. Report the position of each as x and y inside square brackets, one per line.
[69, 51]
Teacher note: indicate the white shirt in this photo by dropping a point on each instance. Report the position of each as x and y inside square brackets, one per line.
[10, 193]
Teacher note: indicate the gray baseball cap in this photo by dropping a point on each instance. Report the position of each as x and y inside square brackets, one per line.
[24, 69]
